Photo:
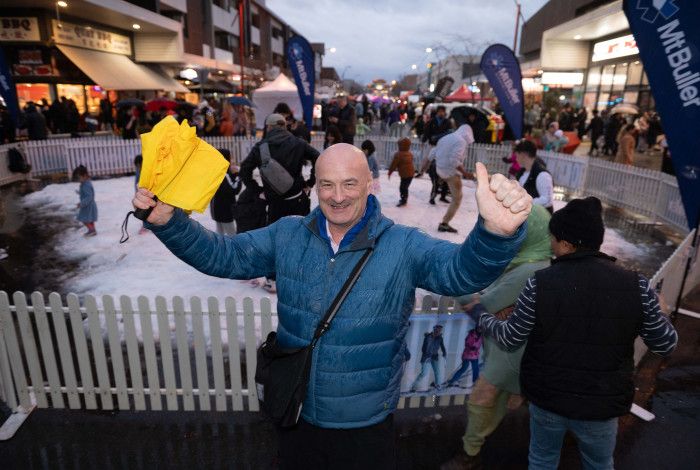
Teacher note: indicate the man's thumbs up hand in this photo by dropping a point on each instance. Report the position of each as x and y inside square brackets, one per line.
[503, 204]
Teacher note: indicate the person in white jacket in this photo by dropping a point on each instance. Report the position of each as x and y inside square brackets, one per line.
[449, 163]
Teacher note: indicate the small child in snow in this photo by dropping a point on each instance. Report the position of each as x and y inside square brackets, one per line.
[368, 149]
[88, 209]
[403, 161]
[224, 201]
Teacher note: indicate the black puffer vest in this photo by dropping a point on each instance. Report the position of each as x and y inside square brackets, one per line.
[531, 183]
[579, 362]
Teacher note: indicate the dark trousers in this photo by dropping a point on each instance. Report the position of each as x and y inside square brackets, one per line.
[403, 188]
[300, 205]
[348, 139]
[309, 447]
[439, 186]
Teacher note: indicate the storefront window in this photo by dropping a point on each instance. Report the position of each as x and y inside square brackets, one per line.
[603, 101]
[73, 92]
[631, 97]
[94, 94]
[27, 92]
[593, 79]
[606, 79]
[634, 74]
[645, 79]
[589, 101]
[620, 77]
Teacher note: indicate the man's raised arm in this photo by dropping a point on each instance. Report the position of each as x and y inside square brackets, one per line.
[449, 269]
[245, 256]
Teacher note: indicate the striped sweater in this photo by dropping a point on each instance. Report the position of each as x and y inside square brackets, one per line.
[656, 331]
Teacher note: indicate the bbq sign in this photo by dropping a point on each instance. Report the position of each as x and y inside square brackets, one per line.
[19, 29]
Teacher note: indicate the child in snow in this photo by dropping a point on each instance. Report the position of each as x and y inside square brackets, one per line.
[368, 149]
[224, 200]
[403, 161]
[88, 209]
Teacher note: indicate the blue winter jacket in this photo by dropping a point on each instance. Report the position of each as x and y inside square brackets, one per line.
[357, 364]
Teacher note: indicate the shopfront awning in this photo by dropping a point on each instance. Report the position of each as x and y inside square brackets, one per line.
[118, 72]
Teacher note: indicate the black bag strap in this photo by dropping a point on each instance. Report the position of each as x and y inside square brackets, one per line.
[265, 153]
[325, 323]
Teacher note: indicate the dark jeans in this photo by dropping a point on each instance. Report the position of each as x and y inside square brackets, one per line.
[439, 186]
[277, 209]
[309, 447]
[403, 188]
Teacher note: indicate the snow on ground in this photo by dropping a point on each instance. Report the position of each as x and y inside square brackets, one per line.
[143, 266]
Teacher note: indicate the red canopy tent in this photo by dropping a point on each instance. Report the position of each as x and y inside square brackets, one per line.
[464, 94]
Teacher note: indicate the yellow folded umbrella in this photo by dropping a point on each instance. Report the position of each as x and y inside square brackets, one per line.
[180, 168]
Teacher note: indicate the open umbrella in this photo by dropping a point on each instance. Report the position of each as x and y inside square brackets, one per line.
[129, 102]
[624, 108]
[242, 100]
[185, 104]
[160, 103]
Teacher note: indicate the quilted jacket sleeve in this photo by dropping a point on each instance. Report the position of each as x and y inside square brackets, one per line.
[449, 269]
[244, 256]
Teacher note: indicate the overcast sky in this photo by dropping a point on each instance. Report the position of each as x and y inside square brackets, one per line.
[382, 38]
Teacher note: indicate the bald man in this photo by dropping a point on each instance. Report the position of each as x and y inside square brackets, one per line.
[347, 416]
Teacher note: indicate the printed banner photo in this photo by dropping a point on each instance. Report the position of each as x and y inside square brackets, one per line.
[502, 69]
[301, 62]
[444, 355]
[668, 38]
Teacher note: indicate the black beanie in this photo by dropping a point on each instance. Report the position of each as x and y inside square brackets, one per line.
[580, 223]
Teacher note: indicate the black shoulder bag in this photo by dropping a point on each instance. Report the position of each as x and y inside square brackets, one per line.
[282, 375]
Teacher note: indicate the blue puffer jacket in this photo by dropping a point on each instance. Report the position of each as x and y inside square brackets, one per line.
[357, 364]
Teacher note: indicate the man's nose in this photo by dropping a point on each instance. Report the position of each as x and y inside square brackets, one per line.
[338, 195]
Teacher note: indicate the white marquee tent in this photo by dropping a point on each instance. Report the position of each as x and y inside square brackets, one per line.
[265, 98]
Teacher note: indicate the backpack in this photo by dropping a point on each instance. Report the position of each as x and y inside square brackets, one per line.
[273, 173]
[16, 162]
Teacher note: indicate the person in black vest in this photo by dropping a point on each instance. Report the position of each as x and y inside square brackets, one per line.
[533, 176]
[580, 318]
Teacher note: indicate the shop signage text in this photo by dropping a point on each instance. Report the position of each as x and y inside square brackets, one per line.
[91, 38]
[679, 57]
[614, 48]
[19, 29]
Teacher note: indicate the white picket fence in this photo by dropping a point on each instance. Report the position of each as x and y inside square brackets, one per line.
[646, 192]
[149, 356]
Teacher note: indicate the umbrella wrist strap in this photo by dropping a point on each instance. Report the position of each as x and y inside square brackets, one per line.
[141, 214]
